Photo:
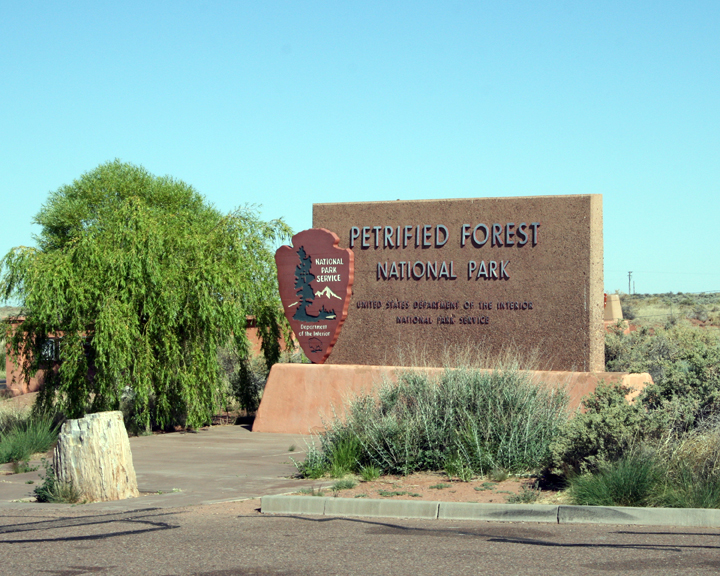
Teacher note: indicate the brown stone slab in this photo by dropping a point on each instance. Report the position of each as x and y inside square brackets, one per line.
[546, 275]
[301, 398]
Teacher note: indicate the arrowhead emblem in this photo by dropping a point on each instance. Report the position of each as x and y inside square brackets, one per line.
[315, 279]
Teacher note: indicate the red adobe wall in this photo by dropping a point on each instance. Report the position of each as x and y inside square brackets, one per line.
[299, 398]
[14, 380]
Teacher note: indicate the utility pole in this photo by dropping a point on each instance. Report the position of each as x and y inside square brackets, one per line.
[629, 281]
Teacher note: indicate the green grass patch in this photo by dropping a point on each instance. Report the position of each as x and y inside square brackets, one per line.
[311, 491]
[344, 484]
[369, 473]
[25, 437]
[498, 475]
[390, 493]
[635, 480]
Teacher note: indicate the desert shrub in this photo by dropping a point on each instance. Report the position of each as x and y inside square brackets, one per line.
[684, 363]
[525, 496]
[676, 469]
[628, 311]
[692, 461]
[699, 312]
[486, 420]
[607, 428]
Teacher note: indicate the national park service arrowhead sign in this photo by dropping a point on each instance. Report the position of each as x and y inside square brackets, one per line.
[315, 278]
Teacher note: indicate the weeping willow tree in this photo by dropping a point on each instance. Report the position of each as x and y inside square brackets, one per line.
[143, 281]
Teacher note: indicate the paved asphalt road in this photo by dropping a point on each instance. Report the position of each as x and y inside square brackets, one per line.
[231, 539]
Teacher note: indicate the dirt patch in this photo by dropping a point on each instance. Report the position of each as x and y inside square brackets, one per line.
[437, 487]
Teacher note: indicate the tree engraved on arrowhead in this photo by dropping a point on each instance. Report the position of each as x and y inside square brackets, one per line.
[315, 279]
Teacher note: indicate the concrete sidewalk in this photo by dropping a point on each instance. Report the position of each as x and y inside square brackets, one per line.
[218, 464]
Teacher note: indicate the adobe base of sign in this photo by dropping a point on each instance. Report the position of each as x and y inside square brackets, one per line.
[298, 398]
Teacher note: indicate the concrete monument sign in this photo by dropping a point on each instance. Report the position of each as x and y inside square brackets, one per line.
[315, 278]
[433, 276]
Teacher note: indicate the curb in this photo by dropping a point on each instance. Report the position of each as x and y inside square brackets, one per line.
[551, 514]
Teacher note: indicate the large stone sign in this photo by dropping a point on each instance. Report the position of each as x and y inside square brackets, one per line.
[432, 277]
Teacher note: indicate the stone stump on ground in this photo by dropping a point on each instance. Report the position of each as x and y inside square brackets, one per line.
[93, 453]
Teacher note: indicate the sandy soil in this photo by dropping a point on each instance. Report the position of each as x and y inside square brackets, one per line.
[437, 487]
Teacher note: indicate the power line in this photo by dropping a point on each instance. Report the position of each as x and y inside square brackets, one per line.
[668, 273]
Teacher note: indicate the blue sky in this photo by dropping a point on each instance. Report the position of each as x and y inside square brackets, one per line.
[289, 103]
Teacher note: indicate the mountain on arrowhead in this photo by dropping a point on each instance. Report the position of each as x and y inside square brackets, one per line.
[327, 293]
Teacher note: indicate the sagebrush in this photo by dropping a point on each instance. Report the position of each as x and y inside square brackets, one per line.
[471, 420]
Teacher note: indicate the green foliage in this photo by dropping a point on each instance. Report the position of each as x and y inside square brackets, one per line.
[244, 378]
[314, 465]
[440, 486]
[25, 437]
[248, 383]
[660, 309]
[457, 467]
[20, 467]
[691, 462]
[603, 433]
[312, 491]
[678, 469]
[628, 311]
[484, 420]
[685, 365]
[344, 484]
[691, 490]
[52, 490]
[525, 496]
[369, 473]
[144, 281]
[498, 475]
[633, 480]
[683, 361]
[665, 448]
